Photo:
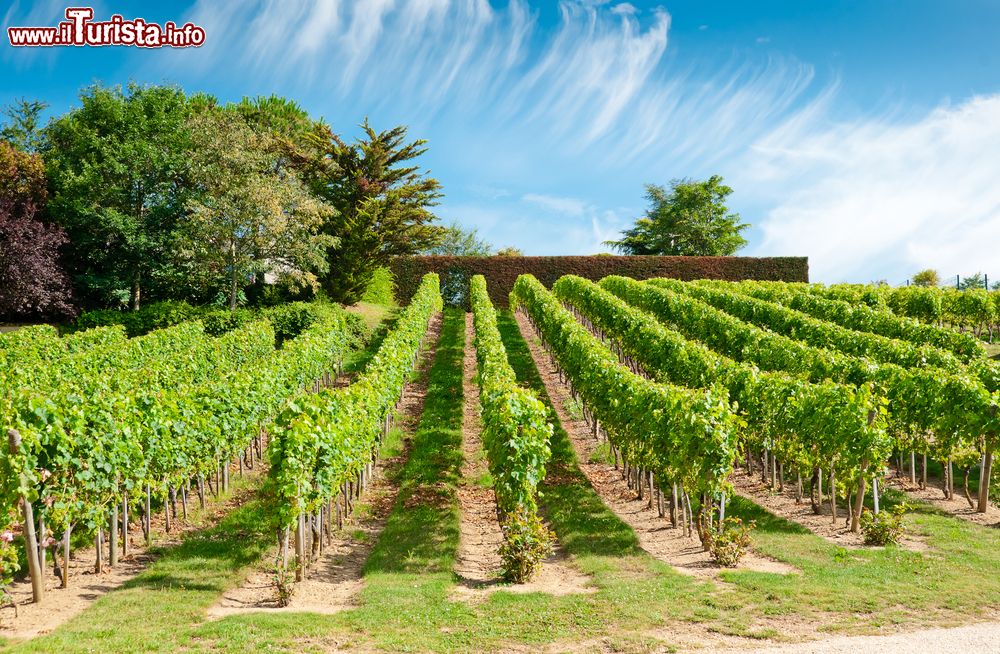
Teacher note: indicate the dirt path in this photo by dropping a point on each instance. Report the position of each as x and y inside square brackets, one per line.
[958, 507]
[478, 562]
[334, 581]
[656, 536]
[59, 605]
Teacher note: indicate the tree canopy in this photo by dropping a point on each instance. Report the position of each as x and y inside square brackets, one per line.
[167, 195]
[927, 277]
[973, 281]
[33, 281]
[509, 251]
[691, 219]
[457, 241]
[250, 216]
[382, 201]
[118, 168]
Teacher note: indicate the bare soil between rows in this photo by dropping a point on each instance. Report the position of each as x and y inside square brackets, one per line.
[783, 504]
[958, 506]
[333, 583]
[656, 535]
[478, 563]
[59, 605]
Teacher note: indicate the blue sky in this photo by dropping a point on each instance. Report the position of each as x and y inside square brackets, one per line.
[864, 135]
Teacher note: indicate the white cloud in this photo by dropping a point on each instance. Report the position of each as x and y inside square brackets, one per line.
[568, 206]
[598, 82]
[884, 197]
[537, 229]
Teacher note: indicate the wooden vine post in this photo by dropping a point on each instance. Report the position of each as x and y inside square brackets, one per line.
[987, 469]
[859, 500]
[31, 541]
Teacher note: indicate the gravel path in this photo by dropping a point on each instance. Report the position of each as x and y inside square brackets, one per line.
[979, 638]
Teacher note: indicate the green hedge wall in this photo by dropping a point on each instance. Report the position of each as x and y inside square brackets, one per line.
[502, 272]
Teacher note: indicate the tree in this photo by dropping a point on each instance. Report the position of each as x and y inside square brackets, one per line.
[22, 129]
[32, 281]
[118, 167]
[250, 216]
[690, 220]
[383, 205]
[975, 281]
[928, 277]
[509, 251]
[456, 241]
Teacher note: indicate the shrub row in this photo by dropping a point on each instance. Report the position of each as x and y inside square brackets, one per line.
[861, 317]
[516, 435]
[289, 320]
[685, 436]
[323, 440]
[807, 425]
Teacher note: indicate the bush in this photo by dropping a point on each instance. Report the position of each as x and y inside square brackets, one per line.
[221, 321]
[730, 541]
[157, 315]
[527, 542]
[885, 528]
[381, 289]
[290, 320]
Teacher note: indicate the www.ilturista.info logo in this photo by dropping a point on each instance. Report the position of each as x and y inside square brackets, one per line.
[79, 29]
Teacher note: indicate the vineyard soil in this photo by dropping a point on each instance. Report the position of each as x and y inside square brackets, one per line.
[783, 503]
[86, 587]
[335, 581]
[478, 564]
[655, 534]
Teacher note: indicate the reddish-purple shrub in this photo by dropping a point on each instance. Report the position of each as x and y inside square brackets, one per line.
[32, 282]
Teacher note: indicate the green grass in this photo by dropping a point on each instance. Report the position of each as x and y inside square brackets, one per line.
[408, 603]
[372, 313]
[153, 612]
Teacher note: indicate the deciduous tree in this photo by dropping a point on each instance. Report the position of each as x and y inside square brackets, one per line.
[455, 240]
[118, 167]
[23, 126]
[974, 281]
[509, 251]
[928, 277]
[691, 219]
[32, 281]
[250, 217]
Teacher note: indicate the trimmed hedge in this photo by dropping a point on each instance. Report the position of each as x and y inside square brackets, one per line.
[502, 272]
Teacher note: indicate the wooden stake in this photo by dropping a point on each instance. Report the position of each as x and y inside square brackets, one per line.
[31, 541]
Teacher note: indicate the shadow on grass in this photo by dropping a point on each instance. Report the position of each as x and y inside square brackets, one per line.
[767, 522]
[357, 360]
[154, 611]
[422, 532]
[576, 513]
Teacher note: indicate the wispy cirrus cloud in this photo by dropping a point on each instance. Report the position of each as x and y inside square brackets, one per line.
[597, 81]
[884, 196]
[568, 206]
